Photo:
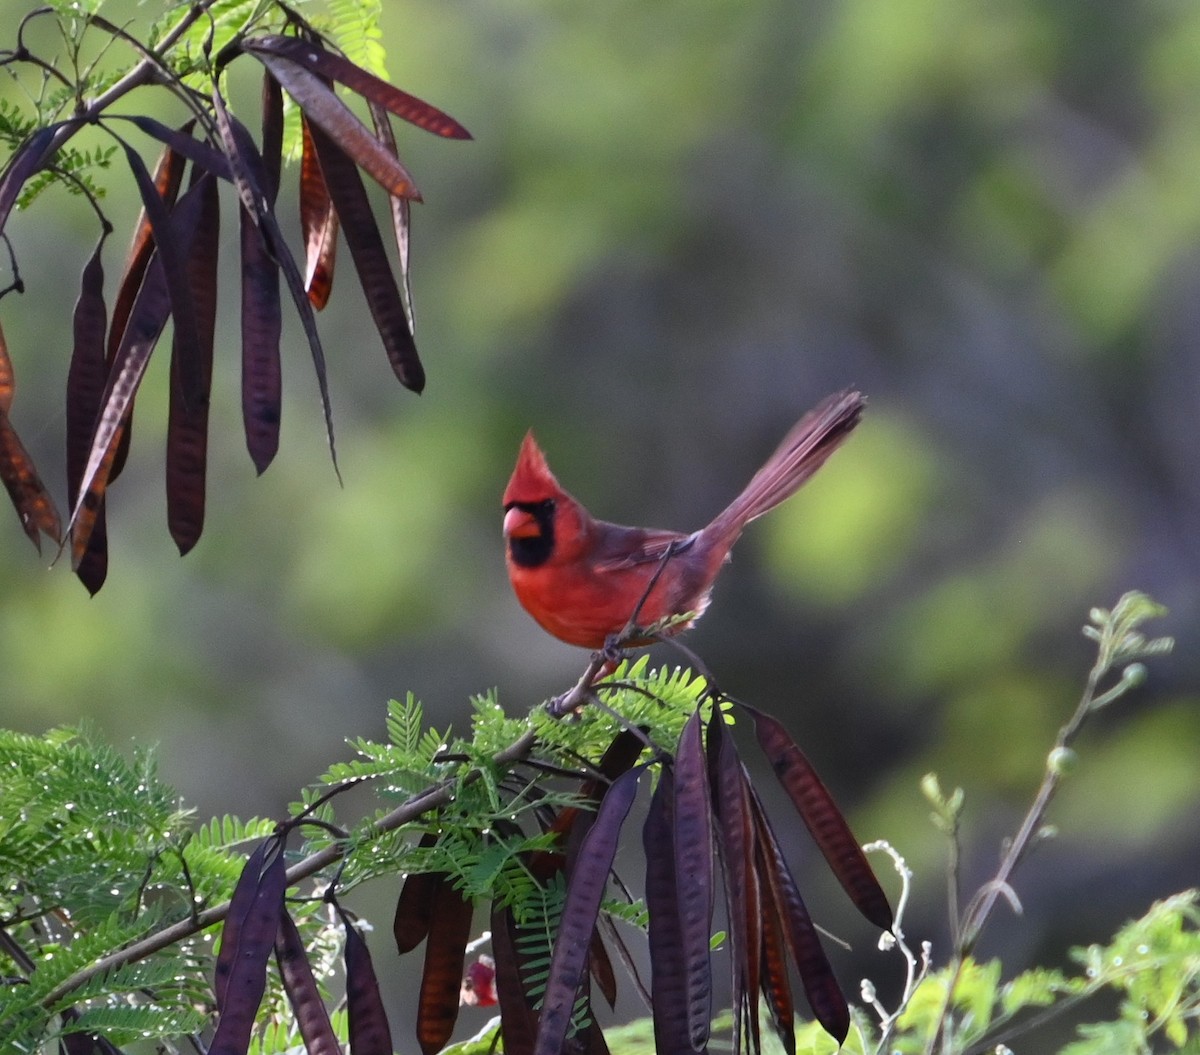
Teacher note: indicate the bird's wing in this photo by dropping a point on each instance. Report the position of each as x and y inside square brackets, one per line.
[623, 547]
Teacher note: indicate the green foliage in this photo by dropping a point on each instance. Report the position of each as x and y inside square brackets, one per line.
[982, 1004]
[91, 860]
[96, 855]
[406, 762]
[1119, 640]
[15, 125]
[1152, 966]
[280, 1035]
[65, 797]
[537, 924]
[353, 25]
[227, 20]
[75, 170]
[89, 64]
[489, 798]
[661, 699]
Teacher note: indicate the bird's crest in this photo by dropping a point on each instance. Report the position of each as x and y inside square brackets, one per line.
[531, 481]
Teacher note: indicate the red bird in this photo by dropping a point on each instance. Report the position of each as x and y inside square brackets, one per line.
[582, 578]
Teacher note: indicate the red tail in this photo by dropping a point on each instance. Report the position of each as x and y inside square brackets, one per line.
[803, 451]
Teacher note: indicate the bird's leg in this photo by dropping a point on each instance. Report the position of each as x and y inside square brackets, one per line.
[605, 661]
[631, 631]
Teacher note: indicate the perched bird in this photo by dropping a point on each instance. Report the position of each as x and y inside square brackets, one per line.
[582, 579]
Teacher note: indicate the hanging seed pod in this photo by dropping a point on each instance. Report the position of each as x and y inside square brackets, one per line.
[445, 958]
[693, 876]
[242, 971]
[303, 992]
[585, 891]
[368, 1026]
[824, 820]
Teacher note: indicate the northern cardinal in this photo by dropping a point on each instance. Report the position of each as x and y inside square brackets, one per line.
[582, 579]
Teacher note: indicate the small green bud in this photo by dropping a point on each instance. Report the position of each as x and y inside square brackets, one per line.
[1062, 761]
[932, 789]
[1134, 674]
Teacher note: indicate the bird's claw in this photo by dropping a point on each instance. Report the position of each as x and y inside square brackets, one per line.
[613, 651]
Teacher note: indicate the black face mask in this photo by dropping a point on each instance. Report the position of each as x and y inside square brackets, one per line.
[534, 550]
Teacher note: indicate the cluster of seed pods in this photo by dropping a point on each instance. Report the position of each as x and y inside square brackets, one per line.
[171, 274]
[705, 823]
[705, 830]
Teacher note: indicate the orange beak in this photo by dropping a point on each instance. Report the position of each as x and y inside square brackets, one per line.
[520, 524]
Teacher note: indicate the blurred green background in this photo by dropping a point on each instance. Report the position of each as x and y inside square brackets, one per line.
[679, 225]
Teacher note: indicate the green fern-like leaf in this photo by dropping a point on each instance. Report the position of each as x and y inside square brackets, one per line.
[406, 763]
[634, 913]
[1154, 962]
[661, 699]
[96, 855]
[15, 125]
[354, 27]
[224, 20]
[491, 729]
[127, 1024]
[537, 920]
[1038, 987]
[224, 833]
[404, 723]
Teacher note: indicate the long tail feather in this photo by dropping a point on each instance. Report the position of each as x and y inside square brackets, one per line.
[803, 451]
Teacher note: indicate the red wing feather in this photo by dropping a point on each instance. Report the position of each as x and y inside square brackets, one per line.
[624, 547]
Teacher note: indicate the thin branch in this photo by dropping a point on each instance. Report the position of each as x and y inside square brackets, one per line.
[86, 191]
[581, 692]
[1119, 642]
[143, 73]
[13, 949]
[37, 12]
[194, 100]
[22, 54]
[17, 285]
[1010, 1031]
[979, 912]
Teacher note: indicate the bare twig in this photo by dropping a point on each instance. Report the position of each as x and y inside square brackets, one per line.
[17, 285]
[1120, 642]
[21, 53]
[915, 969]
